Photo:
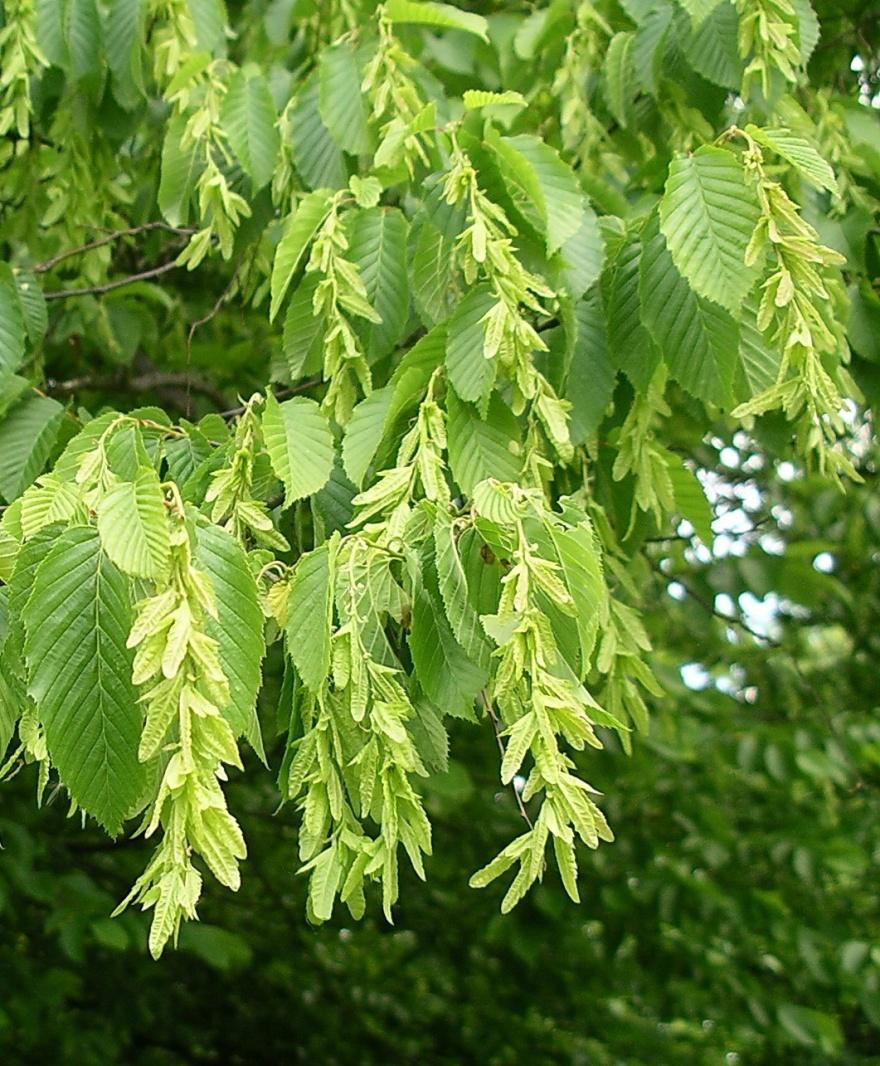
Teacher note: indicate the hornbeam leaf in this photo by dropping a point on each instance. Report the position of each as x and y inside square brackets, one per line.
[699, 10]
[711, 47]
[133, 526]
[690, 498]
[630, 347]
[620, 82]
[481, 448]
[317, 156]
[543, 187]
[300, 445]
[248, 119]
[238, 627]
[450, 679]
[301, 227]
[708, 214]
[698, 338]
[310, 616]
[340, 100]
[378, 239]
[77, 620]
[441, 16]
[800, 153]
[470, 372]
[181, 167]
[452, 582]
[11, 322]
[27, 434]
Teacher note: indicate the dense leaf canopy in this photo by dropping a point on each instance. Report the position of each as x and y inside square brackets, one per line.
[437, 443]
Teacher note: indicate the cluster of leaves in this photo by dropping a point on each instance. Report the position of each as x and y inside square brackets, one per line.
[492, 301]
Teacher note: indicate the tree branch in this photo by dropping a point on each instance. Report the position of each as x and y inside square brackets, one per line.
[98, 290]
[131, 231]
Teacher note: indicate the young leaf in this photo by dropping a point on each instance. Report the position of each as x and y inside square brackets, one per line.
[299, 230]
[708, 214]
[440, 16]
[238, 627]
[133, 526]
[300, 445]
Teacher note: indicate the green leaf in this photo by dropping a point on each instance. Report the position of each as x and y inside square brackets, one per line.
[124, 46]
[620, 76]
[303, 339]
[711, 47]
[133, 526]
[248, 120]
[340, 100]
[690, 498]
[300, 445]
[759, 361]
[444, 670]
[79, 675]
[630, 347]
[474, 99]
[470, 373]
[699, 10]
[81, 29]
[310, 616]
[316, 154]
[440, 16]
[300, 228]
[452, 582]
[378, 239]
[582, 570]
[238, 627]
[800, 153]
[582, 255]
[708, 214]
[591, 374]
[543, 187]
[481, 448]
[180, 170]
[324, 884]
[699, 339]
[27, 435]
[11, 322]
[364, 433]
[650, 44]
[33, 305]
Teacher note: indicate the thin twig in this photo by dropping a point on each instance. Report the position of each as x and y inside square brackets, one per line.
[98, 290]
[205, 319]
[281, 394]
[114, 235]
[496, 725]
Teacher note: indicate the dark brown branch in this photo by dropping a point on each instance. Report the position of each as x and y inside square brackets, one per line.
[146, 227]
[98, 290]
[146, 382]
